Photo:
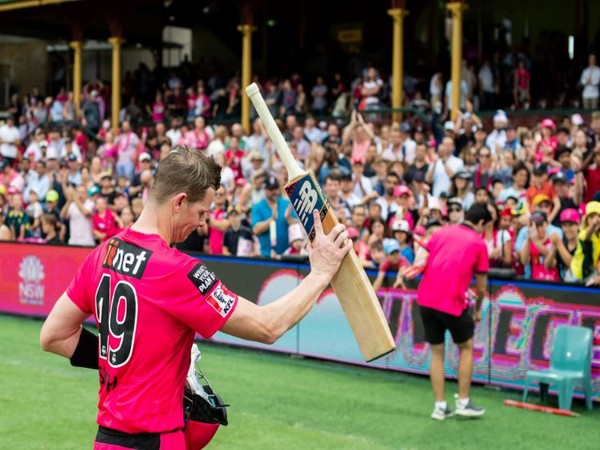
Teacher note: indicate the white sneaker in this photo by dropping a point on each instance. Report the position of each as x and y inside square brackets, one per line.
[469, 410]
[441, 414]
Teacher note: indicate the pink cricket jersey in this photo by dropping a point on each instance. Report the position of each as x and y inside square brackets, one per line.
[148, 300]
[456, 253]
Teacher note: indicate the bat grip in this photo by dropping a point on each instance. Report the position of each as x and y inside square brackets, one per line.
[273, 131]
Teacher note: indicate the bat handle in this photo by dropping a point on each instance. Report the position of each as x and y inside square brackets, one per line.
[273, 131]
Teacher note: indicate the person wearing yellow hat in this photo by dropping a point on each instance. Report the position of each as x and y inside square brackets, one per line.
[585, 262]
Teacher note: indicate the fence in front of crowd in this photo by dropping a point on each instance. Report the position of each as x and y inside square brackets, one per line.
[514, 335]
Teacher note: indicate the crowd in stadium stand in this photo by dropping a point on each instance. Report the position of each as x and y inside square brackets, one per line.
[72, 180]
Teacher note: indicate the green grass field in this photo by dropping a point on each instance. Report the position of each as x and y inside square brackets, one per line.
[277, 402]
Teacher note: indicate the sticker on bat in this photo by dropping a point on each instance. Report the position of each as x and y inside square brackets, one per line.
[305, 198]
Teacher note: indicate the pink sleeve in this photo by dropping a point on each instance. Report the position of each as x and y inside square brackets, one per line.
[78, 290]
[198, 298]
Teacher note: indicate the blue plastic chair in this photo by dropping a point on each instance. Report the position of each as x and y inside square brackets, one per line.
[570, 366]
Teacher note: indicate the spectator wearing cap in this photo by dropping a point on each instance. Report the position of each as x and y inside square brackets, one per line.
[563, 250]
[586, 260]
[442, 170]
[536, 248]
[51, 201]
[79, 210]
[393, 262]
[497, 138]
[405, 206]
[271, 218]
[547, 146]
[70, 148]
[460, 188]
[541, 186]
[74, 174]
[590, 80]
[540, 204]
[298, 240]
[10, 139]
[107, 190]
[456, 212]
[238, 239]
[563, 191]
[252, 163]
[403, 234]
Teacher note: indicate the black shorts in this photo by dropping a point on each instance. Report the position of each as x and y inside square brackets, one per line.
[107, 439]
[436, 323]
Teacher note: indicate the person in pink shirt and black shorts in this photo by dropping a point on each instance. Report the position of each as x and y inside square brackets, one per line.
[149, 300]
[456, 254]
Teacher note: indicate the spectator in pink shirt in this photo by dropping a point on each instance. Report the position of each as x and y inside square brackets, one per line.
[217, 223]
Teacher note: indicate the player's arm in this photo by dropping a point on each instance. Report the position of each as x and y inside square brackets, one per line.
[268, 323]
[480, 287]
[62, 329]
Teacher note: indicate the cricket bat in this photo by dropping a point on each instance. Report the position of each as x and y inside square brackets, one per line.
[351, 284]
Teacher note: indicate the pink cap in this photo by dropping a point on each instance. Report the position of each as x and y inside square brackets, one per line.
[352, 232]
[402, 190]
[548, 123]
[570, 215]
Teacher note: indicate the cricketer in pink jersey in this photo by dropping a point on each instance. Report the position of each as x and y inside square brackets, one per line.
[149, 300]
[456, 254]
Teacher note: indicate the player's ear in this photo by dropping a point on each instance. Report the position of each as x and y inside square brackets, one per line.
[180, 199]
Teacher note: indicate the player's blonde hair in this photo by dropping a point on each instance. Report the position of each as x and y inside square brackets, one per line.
[185, 170]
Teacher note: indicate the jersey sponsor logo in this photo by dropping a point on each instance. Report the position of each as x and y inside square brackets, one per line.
[202, 278]
[221, 300]
[125, 258]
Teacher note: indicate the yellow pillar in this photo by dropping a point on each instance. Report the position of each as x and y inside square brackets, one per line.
[116, 43]
[77, 47]
[398, 15]
[456, 8]
[246, 31]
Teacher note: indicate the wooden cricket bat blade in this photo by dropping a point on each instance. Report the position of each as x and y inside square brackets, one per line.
[351, 284]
